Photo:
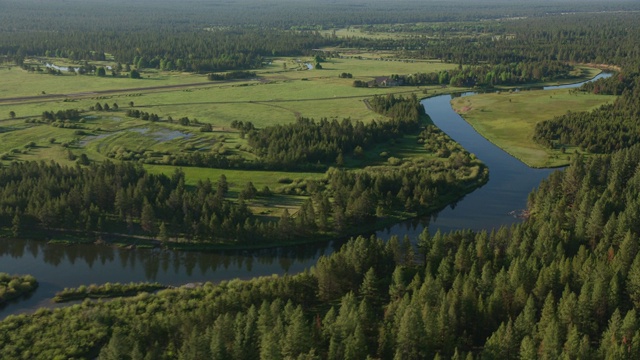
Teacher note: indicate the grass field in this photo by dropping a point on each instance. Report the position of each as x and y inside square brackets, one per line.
[508, 119]
[397, 31]
[279, 96]
[17, 82]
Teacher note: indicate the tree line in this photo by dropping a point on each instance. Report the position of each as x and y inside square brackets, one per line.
[491, 75]
[123, 200]
[609, 128]
[114, 198]
[309, 142]
[203, 48]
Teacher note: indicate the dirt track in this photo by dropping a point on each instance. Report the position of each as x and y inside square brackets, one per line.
[52, 97]
[87, 94]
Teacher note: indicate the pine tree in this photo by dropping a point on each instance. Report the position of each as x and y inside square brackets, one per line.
[411, 336]
[163, 233]
[16, 225]
[611, 338]
[633, 281]
[369, 288]
[297, 338]
[527, 349]
[222, 187]
[194, 347]
[148, 218]
[551, 342]
[398, 287]
[340, 160]
[285, 224]
[117, 348]
[355, 347]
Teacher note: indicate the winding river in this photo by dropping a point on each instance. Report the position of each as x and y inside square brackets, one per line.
[59, 266]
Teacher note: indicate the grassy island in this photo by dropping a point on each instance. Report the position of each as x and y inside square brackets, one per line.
[508, 118]
[14, 286]
[107, 290]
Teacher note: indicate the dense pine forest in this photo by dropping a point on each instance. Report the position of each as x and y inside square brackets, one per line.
[220, 36]
[110, 200]
[562, 284]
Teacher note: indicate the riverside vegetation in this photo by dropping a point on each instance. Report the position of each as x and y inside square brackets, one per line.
[121, 199]
[107, 290]
[12, 287]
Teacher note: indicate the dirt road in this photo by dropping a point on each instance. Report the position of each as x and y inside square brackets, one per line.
[53, 97]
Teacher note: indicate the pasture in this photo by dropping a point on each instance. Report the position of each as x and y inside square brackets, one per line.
[508, 119]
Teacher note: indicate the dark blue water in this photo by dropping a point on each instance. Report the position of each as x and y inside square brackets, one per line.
[493, 205]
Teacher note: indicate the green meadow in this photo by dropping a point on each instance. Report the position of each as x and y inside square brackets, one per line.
[17, 82]
[508, 119]
[279, 95]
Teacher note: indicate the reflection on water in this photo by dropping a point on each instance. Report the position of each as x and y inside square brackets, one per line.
[58, 266]
[156, 263]
[161, 134]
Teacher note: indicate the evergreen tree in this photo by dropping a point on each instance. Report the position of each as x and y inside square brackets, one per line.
[148, 218]
[412, 337]
[16, 225]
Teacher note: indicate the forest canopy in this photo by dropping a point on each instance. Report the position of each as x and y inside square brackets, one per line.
[563, 283]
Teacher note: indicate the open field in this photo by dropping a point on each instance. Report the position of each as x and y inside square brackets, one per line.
[358, 32]
[277, 97]
[236, 178]
[436, 30]
[280, 94]
[17, 82]
[508, 119]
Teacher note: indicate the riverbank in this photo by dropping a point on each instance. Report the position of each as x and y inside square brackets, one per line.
[67, 237]
[14, 286]
[108, 290]
[508, 120]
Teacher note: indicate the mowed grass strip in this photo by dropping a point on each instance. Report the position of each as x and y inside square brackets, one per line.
[17, 82]
[509, 119]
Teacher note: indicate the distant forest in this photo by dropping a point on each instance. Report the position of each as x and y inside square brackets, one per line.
[210, 36]
[563, 284]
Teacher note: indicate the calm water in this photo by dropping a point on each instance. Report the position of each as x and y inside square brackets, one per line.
[510, 180]
[58, 266]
